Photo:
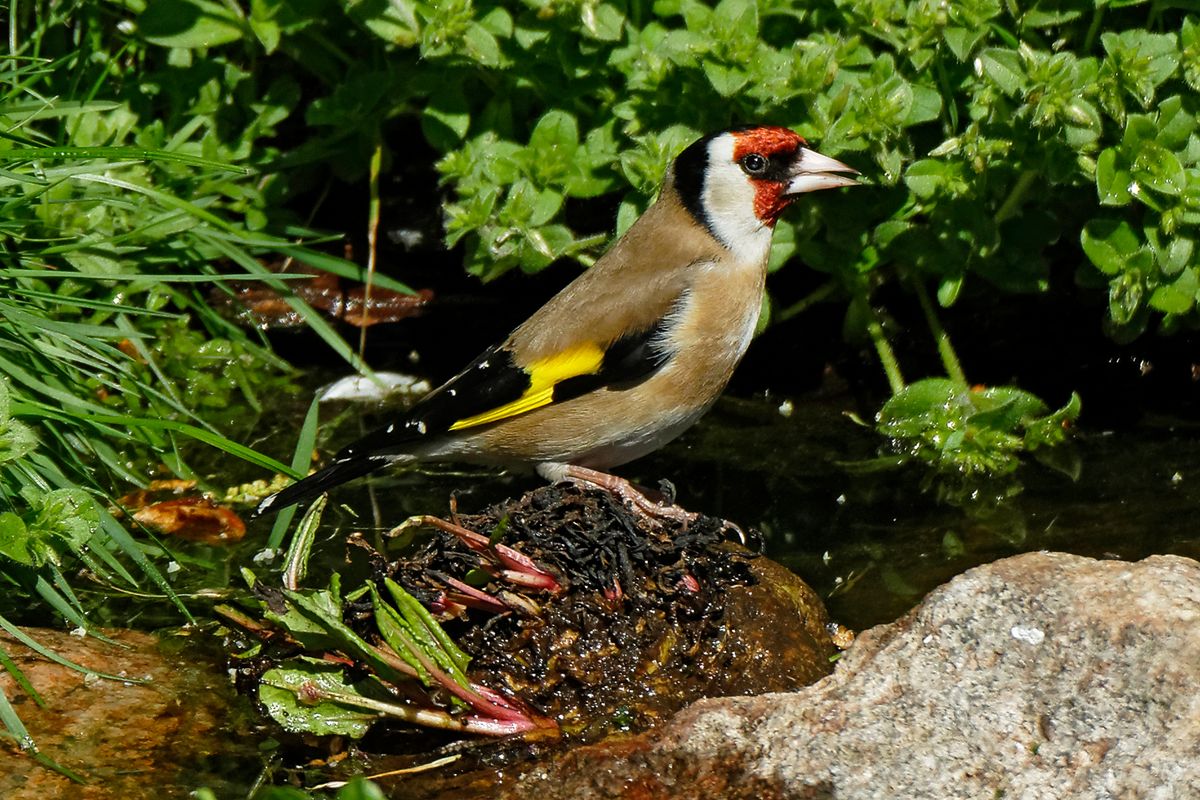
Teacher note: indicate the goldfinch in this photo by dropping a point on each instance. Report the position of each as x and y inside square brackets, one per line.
[630, 353]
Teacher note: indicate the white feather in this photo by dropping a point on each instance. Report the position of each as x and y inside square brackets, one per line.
[728, 198]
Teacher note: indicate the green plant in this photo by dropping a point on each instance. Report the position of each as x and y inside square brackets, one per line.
[112, 361]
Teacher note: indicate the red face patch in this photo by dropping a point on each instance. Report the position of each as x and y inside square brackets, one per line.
[767, 141]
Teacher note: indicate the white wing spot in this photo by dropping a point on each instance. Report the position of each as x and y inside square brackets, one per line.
[391, 428]
[421, 427]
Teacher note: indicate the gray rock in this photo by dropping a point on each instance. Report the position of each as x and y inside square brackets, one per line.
[1040, 676]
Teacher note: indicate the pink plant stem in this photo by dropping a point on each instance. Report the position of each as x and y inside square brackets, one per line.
[513, 559]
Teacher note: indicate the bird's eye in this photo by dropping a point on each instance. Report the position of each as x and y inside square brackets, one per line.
[754, 164]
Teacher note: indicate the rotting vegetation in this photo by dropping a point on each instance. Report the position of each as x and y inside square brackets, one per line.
[560, 611]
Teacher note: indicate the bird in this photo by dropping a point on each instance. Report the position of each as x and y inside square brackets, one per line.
[630, 353]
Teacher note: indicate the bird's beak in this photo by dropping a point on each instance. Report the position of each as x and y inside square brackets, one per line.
[813, 171]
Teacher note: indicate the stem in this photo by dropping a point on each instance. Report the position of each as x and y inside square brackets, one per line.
[372, 239]
[467, 695]
[508, 557]
[887, 356]
[12, 31]
[947, 94]
[417, 716]
[1089, 41]
[469, 595]
[1012, 203]
[818, 295]
[945, 349]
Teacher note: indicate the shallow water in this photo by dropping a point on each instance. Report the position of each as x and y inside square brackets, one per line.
[873, 545]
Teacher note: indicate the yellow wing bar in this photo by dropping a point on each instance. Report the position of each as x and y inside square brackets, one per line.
[584, 359]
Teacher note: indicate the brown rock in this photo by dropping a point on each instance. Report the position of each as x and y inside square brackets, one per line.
[128, 740]
[1040, 676]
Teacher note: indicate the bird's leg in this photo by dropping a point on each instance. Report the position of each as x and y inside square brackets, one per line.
[620, 487]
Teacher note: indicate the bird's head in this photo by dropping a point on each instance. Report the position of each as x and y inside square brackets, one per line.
[737, 182]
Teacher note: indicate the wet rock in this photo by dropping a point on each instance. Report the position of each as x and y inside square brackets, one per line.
[1040, 676]
[159, 738]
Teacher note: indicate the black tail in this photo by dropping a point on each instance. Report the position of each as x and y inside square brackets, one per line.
[337, 473]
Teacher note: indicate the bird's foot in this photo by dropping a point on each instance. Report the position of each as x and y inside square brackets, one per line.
[652, 510]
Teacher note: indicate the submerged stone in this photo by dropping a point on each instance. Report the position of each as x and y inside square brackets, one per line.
[163, 732]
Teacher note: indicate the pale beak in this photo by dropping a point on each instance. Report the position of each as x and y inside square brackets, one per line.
[814, 171]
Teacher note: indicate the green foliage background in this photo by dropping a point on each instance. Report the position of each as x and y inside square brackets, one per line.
[1002, 128]
[996, 130]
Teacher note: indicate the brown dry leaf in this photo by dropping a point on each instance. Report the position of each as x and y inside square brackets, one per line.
[196, 519]
[140, 498]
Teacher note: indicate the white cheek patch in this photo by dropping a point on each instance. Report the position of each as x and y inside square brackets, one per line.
[728, 198]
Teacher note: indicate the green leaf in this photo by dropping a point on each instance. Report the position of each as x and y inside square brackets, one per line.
[1172, 253]
[498, 22]
[926, 177]
[1189, 40]
[726, 80]
[394, 21]
[16, 438]
[736, 19]
[948, 290]
[1138, 62]
[481, 46]
[418, 618]
[1109, 244]
[1159, 169]
[1177, 297]
[359, 788]
[1175, 124]
[1112, 179]
[556, 130]
[190, 24]
[908, 412]
[1052, 429]
[283, 689]
[398, 636]
[1083, 123]
[446, 118]
[602, 21]
[545, 207]
[926, 105]
[15, 540]
[322, 610]
[1004, 407]
[962, 41]
[68, 515]
[1049, 18]
[1004, 68]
